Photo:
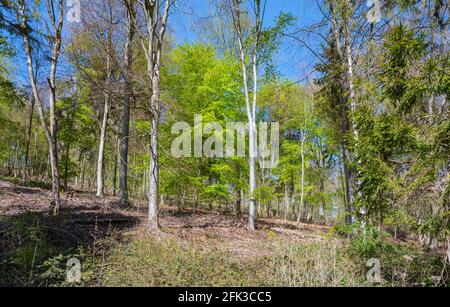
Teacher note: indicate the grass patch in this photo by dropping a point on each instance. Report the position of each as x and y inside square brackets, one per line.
[148, 263]
[331, 263]
[32, 254]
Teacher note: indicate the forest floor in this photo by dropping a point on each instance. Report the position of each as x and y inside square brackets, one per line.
[201, 249]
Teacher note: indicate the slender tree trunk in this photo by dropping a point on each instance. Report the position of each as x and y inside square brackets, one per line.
[302, 152]
[250, 105]
[66, 168]
[351, 88]
[252, 174]
[103, 129]
[286, 200]
[15, 164]
[135, 181]
[34, 160]
[116, 162]
[197, 201]
[448, 250]
[278, 207]
[124, 144]
[347, 184]
[154, 160]
[101, 150]
[302, 192]
[152, 46]
[30, 127]
[345, 55]
[54, 162]
[83, 170]
[51, 130]
[238, 203]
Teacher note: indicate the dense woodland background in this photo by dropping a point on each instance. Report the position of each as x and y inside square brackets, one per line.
[364, 140]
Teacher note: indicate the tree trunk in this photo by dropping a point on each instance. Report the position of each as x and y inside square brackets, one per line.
[250, 105]
[302, 192]
[27, 150]
[448, 250]
[252, 174]
[238, 203]
[152, 47]
[286, 201]
[124, 144]
[83, 172]
[54, 162]
[66, 168]
[51, 130]
[347, 185]
[103, 127]
[116, 162]
[197, 201]
[345, 55]
[154, 160]
[302, 152]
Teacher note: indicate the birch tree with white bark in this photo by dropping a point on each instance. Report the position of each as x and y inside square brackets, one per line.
[256, 46]
[246, 52]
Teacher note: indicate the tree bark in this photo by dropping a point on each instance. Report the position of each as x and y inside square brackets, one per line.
[302, 153]
[250, 105]
[152, 44]
[124, 144]
[286, 200]
[116, 161]
[347, 109]
[30, 127]
[154, 160]
[50, 131]
[103, 129]
[238, 203]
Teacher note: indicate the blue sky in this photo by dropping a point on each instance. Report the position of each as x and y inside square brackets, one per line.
[292, 61]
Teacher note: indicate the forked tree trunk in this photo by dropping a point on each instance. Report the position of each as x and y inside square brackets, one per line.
[250, 105]
[152, 43]
[50, 131]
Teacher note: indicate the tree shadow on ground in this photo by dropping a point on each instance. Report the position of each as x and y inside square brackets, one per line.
[35, 247]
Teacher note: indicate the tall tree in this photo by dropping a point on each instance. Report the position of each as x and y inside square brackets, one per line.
[250, 100]
[55, 11]
[155, 18]
[256, 46]
[125, 133]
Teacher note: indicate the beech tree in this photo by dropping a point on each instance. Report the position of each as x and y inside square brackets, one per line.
[156, 17]
[127, 95]
[55, 11]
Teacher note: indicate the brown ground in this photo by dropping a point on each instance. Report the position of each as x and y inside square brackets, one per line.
[83, 218]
